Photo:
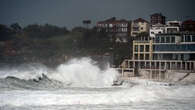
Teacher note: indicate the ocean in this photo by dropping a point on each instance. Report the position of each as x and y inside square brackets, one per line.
[81, 85]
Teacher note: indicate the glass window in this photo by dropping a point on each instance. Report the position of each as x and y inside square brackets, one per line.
[193, 38]
[141, 56]
[155, 57]
[136, 56]
[157, 39]
[172, 39]
[141, 48]
[136, 48]
[147, 48]
[162, 40]
[182, 38]
[167, 39]
[187, 38]
[146, 56]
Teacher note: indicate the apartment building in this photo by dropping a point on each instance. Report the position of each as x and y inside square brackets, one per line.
[139, 26]
[114, 26]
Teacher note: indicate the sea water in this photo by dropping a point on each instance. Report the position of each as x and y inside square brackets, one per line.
[81, 85]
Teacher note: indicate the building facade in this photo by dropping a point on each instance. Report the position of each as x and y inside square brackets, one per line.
[156, 29]
[172, 26]
[139, 26]
[114, 26]
[165, 52]
[157, 18]
[188, 26]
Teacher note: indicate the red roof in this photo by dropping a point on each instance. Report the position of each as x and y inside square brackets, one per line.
[140, 20]
[189, 22]
[113, 21]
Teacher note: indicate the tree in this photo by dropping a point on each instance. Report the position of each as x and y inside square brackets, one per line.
[5, 32]
[16, 27]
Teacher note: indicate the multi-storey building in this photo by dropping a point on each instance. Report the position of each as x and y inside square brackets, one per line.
[188, 26]
[114, 26]
[139, 26]
[156, 29]
[157, 18]
[165, 52]
[170, 27]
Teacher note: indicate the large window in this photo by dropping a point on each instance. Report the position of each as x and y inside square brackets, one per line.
[136, 48]
[157, 39]
[147, 56]
[174, 47]
[193, 38]
[162, 39]
[141, 56]
[147, 48]
[136, 56]
[172, 39]
[187, 38]
[167, 39]
[141, 48]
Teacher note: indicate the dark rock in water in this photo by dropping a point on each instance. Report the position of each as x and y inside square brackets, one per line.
[11, 77]
[117, 83]
[42, 77]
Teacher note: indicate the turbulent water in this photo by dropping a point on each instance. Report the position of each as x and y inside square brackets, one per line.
[80, 84]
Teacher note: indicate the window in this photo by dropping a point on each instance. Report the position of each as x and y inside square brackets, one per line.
[147, 48]
[110, 25]
[146, 56]
[157, 39]
[141, 56]
[193, 38]
[136, 56]
[136, 48]
[167, 39]
[172, 39]
[162, 40]
[141, 48]
[187, 38]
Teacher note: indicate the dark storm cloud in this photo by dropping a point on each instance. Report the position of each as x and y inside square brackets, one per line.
[71, 12]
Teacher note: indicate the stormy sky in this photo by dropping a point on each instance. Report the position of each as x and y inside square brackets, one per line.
[70, 13]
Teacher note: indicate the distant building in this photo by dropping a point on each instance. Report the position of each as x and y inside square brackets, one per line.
[155, 58]
[188, 26]
[114, 26]
[157, 18]
[174, 47]
[172, 26]
[156, 29]
[139, 26]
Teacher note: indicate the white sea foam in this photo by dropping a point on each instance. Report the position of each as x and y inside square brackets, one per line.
[85, 73]
[137, 94]
[78, 72]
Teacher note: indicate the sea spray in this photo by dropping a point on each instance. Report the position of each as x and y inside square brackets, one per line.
[24, 71]
[82, 72]
[85, 73]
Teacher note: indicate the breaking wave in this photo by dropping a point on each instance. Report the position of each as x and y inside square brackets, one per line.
[75, 73]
